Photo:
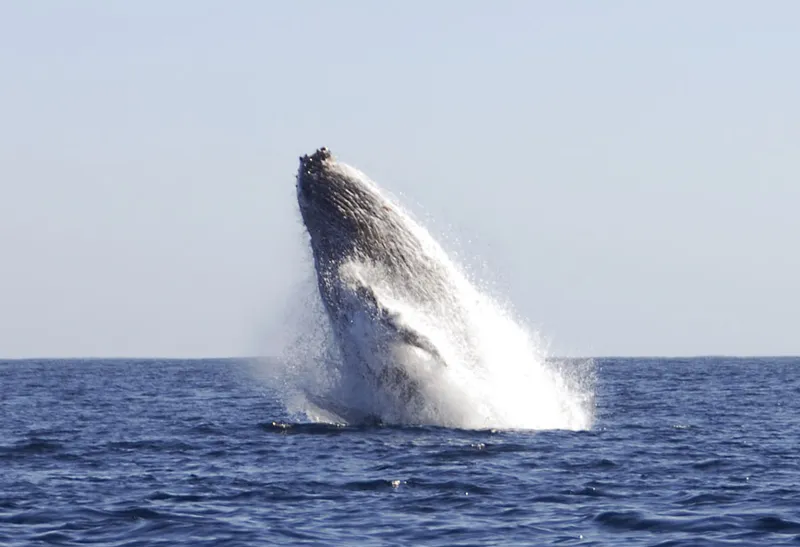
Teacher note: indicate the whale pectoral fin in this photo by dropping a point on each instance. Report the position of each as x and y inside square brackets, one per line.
[413, 337]
[392, 321]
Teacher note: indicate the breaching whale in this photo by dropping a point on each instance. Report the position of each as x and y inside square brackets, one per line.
[385, 283]
[407, 337]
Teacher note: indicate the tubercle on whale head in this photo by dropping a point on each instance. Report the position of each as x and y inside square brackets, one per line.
[312, 167]
[312, 163]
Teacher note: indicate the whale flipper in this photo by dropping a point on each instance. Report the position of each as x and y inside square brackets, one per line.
[392, 320]
[413, 337]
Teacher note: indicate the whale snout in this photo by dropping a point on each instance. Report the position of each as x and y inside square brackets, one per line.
[312, 168]
[310, 165]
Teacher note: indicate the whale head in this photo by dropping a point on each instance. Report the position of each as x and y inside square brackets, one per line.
[344, 212]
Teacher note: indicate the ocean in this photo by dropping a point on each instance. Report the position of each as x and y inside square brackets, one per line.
[699, 451]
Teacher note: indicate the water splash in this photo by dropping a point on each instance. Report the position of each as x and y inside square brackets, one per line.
[498, 373]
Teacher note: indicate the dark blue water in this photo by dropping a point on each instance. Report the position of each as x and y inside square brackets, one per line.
[683, 452]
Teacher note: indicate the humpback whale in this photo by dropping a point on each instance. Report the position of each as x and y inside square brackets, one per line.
[407, 337]
[385, 283]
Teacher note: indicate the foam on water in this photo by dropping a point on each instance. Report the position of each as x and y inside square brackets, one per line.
[498, 374]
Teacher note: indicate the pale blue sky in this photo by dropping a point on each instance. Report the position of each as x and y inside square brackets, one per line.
[628, 171]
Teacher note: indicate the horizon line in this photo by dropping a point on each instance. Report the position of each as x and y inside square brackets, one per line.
[258, 357]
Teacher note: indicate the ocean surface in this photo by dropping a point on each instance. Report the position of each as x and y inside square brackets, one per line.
[152, 452]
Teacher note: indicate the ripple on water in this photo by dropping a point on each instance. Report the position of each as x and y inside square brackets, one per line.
[125, 453]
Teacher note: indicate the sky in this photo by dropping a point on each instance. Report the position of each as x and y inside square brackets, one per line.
[625, 173]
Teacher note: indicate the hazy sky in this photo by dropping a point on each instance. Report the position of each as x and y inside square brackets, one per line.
[629, 172]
